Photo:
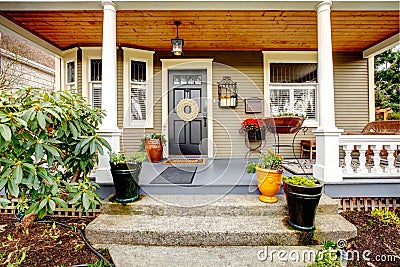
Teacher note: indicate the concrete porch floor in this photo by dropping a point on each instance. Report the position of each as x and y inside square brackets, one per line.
[216, 176]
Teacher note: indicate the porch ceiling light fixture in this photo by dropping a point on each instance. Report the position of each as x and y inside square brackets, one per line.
[177, 43]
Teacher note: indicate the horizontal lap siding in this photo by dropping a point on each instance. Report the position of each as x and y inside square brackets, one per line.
[351, 91]
[246, 68]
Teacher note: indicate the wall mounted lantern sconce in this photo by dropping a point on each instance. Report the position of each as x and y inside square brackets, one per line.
[177, 43]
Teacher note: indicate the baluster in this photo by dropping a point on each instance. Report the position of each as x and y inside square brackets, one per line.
[348, 169]
[377, 159]
[362, 169]
[391, 169]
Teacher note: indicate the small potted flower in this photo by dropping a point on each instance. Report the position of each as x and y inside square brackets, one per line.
[302, 196]
[269, 175]
[253, 127]
[125, 170]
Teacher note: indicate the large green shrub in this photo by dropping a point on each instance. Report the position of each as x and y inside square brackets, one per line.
[48, 145]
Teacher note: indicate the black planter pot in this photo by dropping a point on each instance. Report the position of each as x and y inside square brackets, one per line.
[126, 178]
[255, 135]
[302, 202]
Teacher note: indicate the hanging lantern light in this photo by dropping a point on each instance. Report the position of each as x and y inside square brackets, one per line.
[177, 43]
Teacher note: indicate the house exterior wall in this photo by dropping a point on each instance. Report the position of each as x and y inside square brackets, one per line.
[350, 72]
[246, 68]
[25, 64]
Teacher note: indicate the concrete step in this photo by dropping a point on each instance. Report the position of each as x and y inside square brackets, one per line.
[208, 205]
[161, 256]
[213, 230]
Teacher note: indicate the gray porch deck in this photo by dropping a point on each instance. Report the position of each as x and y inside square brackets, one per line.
[228, 176]
[216, 176]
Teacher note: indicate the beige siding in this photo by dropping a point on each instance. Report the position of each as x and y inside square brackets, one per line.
[351, 91]
[246, 68]
[79, 70]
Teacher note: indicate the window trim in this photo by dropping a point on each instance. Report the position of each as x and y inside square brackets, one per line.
[69, 56]
[144, 56]
[88, 53]
[287, 57]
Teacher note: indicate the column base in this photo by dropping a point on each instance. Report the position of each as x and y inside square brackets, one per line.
[327, 159]
[103, 173]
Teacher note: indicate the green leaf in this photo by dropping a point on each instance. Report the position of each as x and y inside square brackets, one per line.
[85, 201]
[20, 121]
[75, 199]
[41, 119]
[51, 149]
[12, 188]
[104, 143]
[60, 202]
[32, 208]
[38, 152]
[52, 112]
[7, 173]
[52, 205]
[73, 130]
[5, 132]
[4, 202]
[17, 174]
[43, 203]
[3, 183]
[93, 147]
[26, 116]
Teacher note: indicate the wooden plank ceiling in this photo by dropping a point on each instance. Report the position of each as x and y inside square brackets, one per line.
[211, 30]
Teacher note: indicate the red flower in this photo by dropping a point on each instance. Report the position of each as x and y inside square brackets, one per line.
[251, 124]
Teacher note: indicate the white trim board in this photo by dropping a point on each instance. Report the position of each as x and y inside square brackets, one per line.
[187, 64]
[9, 5]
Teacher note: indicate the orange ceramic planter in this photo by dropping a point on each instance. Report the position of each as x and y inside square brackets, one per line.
[269, 183]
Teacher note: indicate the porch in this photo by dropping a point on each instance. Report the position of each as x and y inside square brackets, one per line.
[358, 178]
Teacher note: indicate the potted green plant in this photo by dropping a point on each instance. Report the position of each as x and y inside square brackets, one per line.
[285, 123]
[269, 175]
[253, 128]
[125, 170]
[302, 195]
[153, 145]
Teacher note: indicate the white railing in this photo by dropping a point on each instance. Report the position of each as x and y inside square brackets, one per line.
[362, 166]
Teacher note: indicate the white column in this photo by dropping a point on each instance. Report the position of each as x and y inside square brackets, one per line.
[109, 66]
[327, 135]
[109, 129]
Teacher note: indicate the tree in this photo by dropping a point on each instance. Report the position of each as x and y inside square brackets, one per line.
[387, 79]
[48, 145]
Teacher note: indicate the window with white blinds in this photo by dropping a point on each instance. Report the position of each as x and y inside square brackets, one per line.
[138, 88]
[293, 89]
[294, 98]
[95, 82]
[96, 95]
[138, 85]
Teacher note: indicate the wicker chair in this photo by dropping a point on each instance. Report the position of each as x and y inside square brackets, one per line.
[382, 127]
[391, 127]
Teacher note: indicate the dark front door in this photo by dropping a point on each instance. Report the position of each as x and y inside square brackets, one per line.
[187, 136]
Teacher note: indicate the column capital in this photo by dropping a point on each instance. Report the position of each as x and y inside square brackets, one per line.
[107, 4]
[323, 6]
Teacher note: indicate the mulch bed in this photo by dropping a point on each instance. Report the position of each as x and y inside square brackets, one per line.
[383, 241]
[44, 244]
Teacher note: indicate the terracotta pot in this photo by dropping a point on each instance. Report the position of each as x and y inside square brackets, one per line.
[269, 184]
[284, 124]
[154, 149]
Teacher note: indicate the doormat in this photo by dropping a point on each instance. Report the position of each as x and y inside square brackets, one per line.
[185, 161]
[174, 175]
[294, 167]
